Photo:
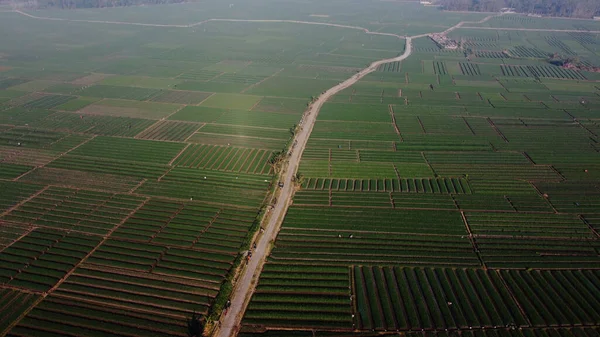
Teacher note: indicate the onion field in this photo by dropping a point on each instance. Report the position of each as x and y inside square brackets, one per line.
[454, 193]
[457, 192]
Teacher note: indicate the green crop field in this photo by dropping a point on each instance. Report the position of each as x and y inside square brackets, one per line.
[454, 193]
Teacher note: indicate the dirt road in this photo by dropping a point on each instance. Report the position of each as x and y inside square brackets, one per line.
[365, 30]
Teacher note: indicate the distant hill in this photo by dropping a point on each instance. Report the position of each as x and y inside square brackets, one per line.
[585, 9]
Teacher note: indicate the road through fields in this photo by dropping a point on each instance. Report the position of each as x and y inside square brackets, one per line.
[246, 282]
[248, 277]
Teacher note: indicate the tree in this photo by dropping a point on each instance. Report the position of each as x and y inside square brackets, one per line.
[566, 8]
[195, 325]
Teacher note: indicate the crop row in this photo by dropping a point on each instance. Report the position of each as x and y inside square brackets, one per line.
[529, 225]
[30, 138]
[73, 178]
[188, 225]
[469, 69]
[375, 199]
[47, 102]
[390, 67]
[13, 304]
[514, 251]
[131, 149]
[43, 257]
[415, 298]
[208, 269]
[109, 166]
[121, 92]
[338, 247]
[199, 75]
[424, 185]
[77, 210]
[522, 51]
[584, 38]
[301, 296]
[180, 97]
[554, 42]
[533, 240]
[481, 43]
[93, 124]
[12, 193]
[490, 54]
[338, 236]
[541, 72]
[499, 197]
[555, 298]
[509, 331]
[169, 130]
[10, 171]
[107, 301]
[439, 68]
[487, 199]
[89, 314]
[424, 298]
[498, 172]
[208, 185]
[232, 159]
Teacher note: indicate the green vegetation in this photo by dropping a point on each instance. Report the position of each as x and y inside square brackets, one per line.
[448, 189]
[579, 9]
[453, 193]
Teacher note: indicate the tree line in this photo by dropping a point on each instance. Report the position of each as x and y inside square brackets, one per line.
[71, 4]
[585, 9]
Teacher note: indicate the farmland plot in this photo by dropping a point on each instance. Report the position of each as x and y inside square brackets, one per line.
[73, 178]
[205, 185]
[130, 149]
[180, 97]
[121, 92]
[343, 236]
[75, 210]
[134, 109]
[225, 158]
[92, 124]
[439, 196]
[109, 166]
[187, 225]
[415, 298]
[14, 304]
[170, 130]
[41, 258]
